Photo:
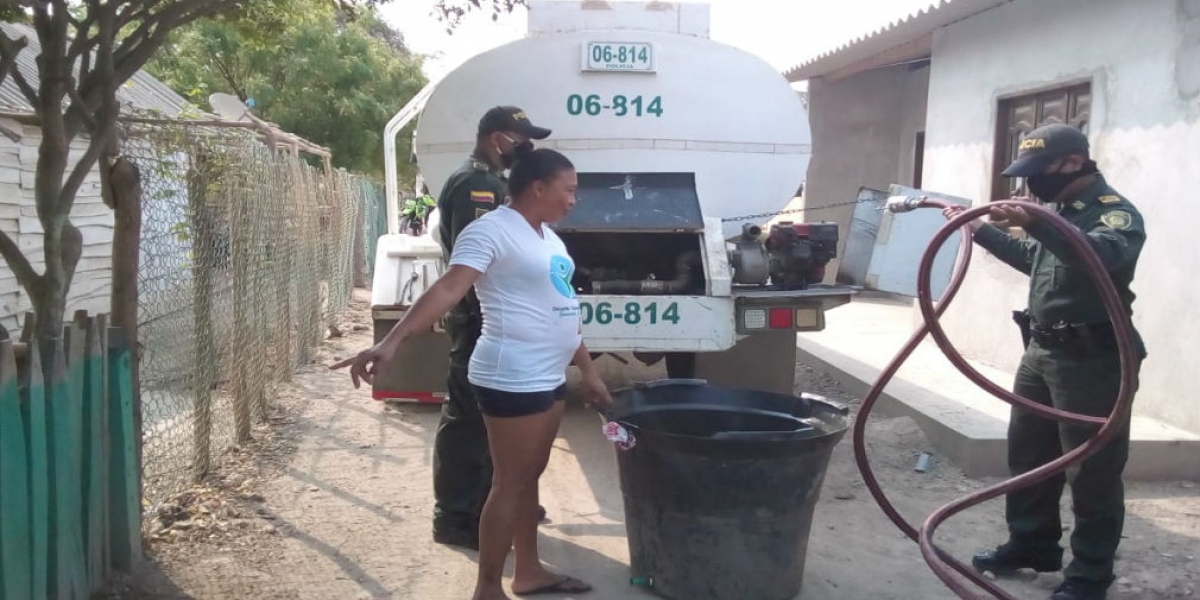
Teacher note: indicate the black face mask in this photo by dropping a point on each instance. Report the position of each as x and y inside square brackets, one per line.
[1047, 186]
[519, 150]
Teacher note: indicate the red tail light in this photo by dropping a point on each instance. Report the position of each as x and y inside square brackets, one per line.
[780, 318]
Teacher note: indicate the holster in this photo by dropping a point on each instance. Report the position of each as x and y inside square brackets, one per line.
[1023, 321]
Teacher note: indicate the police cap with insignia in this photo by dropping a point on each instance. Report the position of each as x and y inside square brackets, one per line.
[510, 118]
[1043, 146]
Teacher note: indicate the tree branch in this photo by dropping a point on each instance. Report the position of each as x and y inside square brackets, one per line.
[77, 102]
[134, 11]
[140, 46]
[229, 74]
[26, 276]
[99, 137]
[82, 42]
[167, 19]
[9, 50]
[103, 122]
[54, 148]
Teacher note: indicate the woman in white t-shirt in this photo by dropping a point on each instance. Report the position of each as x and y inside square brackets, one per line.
[531, 332]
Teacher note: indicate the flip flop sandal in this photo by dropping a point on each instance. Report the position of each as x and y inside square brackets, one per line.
[566, 585]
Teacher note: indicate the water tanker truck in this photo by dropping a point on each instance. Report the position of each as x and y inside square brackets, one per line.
[684, 148]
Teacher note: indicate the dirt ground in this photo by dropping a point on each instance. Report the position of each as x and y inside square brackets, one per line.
[334, 501]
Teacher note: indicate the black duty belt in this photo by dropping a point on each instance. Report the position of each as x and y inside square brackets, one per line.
[1082, 336]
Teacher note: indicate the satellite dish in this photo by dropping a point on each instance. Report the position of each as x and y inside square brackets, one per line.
[229, 107]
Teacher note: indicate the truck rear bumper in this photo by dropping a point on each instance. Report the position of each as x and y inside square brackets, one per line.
[702, 323]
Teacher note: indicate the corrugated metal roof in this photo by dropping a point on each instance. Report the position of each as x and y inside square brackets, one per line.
[142, 91]
[917, 24]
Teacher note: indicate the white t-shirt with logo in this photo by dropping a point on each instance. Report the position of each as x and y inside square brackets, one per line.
[531, 325]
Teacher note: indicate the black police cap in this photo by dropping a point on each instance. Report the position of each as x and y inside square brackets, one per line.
[510, 118]
[1043, 146]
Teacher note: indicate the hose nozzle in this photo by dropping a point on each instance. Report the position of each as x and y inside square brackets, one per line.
[901, 204]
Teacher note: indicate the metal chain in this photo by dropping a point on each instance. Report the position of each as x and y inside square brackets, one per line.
[796, 210]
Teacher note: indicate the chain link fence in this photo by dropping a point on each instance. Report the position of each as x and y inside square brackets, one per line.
[247, 255]
[374, 219]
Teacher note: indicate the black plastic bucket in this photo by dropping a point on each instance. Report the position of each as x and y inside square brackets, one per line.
[720, 486]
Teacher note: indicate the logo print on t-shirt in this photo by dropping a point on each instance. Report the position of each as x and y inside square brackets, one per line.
[561, 271]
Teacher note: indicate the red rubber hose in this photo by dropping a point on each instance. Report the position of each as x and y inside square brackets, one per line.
[942, 564]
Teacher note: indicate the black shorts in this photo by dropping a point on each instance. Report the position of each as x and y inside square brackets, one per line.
[495, 403]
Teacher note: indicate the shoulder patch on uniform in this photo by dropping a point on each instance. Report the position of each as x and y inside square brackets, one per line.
[1078, 205]
[1110, 199]
[484, 197]
[479, 165]
[479, 212]
[1117, 219]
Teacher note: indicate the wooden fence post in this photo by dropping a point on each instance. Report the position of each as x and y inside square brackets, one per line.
[203, 342]
[285, 223]
[16, 565]
[240, 255]
[125, 510]
[284, 259]
[70, 406]
[94, 496]
[358, 259]
[36, 415]
[257, 283]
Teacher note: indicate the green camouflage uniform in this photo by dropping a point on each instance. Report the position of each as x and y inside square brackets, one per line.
[1080, 376]
[462, 468]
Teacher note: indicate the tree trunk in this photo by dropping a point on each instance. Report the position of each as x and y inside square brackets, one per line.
[125, 194]
[49, 309]
[49, 296]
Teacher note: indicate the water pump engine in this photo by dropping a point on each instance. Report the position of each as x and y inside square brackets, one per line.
[798, 253]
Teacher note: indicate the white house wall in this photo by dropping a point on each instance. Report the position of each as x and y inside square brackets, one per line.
[1143, 59]
[18, 217]
[863, 129]
[914, 94]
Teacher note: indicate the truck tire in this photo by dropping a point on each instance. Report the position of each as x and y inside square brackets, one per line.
[763, 361]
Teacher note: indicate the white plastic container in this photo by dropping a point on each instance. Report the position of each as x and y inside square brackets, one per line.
[405, 266]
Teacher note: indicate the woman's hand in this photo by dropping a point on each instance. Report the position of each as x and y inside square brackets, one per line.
[595, 393]
[365, 364]
[439, 298]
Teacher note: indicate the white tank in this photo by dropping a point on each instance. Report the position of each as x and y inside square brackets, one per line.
[678, 102]
[405, 266]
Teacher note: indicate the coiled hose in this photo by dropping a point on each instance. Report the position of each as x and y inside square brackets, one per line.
[942, 564]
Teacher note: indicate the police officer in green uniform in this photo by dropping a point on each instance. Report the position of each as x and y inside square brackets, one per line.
[1070, 362]
[462, 469]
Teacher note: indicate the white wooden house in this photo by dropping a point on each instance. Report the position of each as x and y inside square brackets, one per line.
[18, 163]
[940, 100]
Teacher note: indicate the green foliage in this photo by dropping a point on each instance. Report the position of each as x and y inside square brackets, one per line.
[453, 11]
[316, 71]
[13, 14]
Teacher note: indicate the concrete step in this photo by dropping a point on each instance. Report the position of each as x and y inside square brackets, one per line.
[964, 423]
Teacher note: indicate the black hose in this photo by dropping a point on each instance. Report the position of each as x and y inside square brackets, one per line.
[939, 561]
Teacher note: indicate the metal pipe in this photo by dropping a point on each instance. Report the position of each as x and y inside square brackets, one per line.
[390, 131]
[678, 285]
[939, 561]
